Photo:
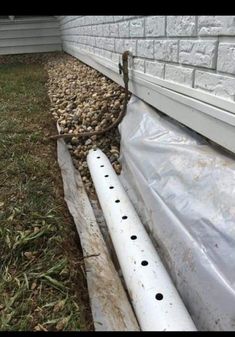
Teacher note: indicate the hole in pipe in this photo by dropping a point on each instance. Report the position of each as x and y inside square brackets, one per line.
[111, 187]
[124, 217]
[117, 200]
[98, 157]
[144, 263]
[106, 175]
[101, 165]
[133, 237]
[159, 296]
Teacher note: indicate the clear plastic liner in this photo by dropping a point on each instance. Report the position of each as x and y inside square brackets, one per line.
[183, 188]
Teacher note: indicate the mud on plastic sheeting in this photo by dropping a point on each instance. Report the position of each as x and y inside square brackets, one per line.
[111, 309]
[183, 189]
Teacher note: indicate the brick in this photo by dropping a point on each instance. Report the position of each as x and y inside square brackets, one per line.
[118, 17]
[215, 84]
[198, 53]
[145, 48]
[81, 39]
[106, 30]
[130, 45]
[137, 28]
[94, 20]
[216, 25]
[99, 30]
[226, 58]
[166, 50]
[94, 30]
[116, 57]
[113, 29]
[82, 22]
[91, 41]
[130, 16]
[100, 42]
[181, 26]
[88, 20]
[96, 41]
[179, 74]
[138, 65]
[119, 45]
[100, 19]
[124, 29]
[108, 18]
[154, 68]
[155, 26]
[83, 30]
[109, 44]
[88, 30]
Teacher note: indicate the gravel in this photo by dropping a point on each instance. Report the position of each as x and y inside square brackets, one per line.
[82, 99]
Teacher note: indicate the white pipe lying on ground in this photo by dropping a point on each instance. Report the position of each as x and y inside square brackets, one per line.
[155, 299]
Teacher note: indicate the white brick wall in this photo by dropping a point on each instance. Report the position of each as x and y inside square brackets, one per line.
[137, 28]
[145, 48]
[179, 74]
[154, 26]
[154, 68]
[124, 29]
[198, 53]
[119, 45]
[113, 29]
[216, 25]
[226, 58]
[130, 45]
[166, 50]
[138, 64]
[219, 85]
[181, 26]
[194, 51]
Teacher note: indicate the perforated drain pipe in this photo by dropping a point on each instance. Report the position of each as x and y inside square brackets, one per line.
[155, 299]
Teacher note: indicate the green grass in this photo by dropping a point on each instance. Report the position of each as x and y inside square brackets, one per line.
[42, 284]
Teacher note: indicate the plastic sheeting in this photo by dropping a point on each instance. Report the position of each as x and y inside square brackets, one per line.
[183, 188]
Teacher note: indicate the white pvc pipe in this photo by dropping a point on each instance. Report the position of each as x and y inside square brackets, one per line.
[155, 299]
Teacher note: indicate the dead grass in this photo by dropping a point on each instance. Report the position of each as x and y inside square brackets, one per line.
[42, 285]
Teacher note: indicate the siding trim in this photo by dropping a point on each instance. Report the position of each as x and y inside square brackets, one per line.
[39, 48]
[29, 25]
[28, 20]
[30, 41]
[27, 33]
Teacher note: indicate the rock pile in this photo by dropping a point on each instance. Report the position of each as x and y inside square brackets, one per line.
[82, 99]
